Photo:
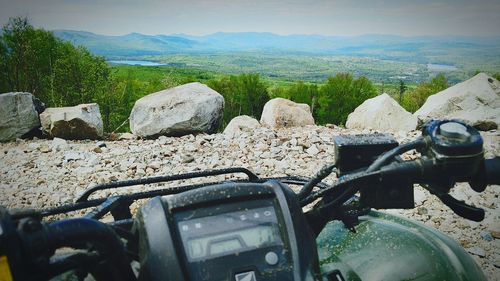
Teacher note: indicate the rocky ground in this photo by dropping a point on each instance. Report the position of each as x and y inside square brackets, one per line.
[47, 173]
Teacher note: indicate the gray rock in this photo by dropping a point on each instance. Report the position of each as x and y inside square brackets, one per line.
[58, 144]
[381, 113]
[495, 234]
[127, 136]
[45, 148]
[187, 158]
[101, 144]
[422, 211]
[420, 196]
[486, 235]
[241, 124]
[18, 115]
[73, 155]
[162, 140]
[475, 101]
[155, 165]
[283, 113]
[478, 251]
[313, 150]
[33, 146]
[77, 122]
[187, 109]
[93, 161]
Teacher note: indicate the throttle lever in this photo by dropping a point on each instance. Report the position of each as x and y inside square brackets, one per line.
[460, 207]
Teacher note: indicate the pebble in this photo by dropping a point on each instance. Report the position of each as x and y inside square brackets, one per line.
[422, 211]
[127, 136]
[477, 251]
[495, 234]
[419, 195]
[313, 150]
[162, 140]
[33, 146]
[59, 144]
[73, 155]
[45, 148]
[101, 144]
[486, 236]
[187, 158]
[46, 173]
[154, 165]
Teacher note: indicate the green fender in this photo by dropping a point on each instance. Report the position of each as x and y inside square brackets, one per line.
[387, 247]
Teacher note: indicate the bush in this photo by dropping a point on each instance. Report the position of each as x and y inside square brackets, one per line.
[341, 95]
[414, 99]
[244, 94]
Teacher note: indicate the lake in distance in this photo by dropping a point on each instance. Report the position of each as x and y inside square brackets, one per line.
[135, 62]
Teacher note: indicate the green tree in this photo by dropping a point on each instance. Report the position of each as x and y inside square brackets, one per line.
[496, 76]
[34, 60]
[402, 89]
[341, 95]
[79, 77]
[244, 94]
[413, 100]
[27, 57]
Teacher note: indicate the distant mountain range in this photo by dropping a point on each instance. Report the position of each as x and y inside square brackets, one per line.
[136, 44]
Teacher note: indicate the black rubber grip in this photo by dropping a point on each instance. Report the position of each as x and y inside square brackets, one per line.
[492, 170]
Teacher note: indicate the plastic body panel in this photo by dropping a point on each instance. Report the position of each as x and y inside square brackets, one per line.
[388, 247]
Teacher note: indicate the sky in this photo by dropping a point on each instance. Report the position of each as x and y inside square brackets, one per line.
[201, 17]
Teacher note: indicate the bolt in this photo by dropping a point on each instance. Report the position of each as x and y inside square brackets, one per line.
[31, 226]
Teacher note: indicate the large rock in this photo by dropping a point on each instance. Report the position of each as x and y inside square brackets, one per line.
[18, 115]
[281, 113]
[77, 122]
[475, 101]
[187, 109]
[381, 113]
[240, 124]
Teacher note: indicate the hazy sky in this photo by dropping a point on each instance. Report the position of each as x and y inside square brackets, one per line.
[198, 17]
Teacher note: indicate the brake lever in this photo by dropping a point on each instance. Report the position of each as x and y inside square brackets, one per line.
[458, 207]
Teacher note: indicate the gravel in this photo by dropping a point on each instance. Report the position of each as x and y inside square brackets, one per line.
[48, 173]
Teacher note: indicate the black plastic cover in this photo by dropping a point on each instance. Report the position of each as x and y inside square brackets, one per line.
[161, 249]
[357, 151]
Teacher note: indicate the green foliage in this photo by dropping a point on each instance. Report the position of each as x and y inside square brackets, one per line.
[402, 89]
[341, 95]
[78, 77]
[299, 92]
[415, 98]
[59, 74]
[244, 94]
[26, 57]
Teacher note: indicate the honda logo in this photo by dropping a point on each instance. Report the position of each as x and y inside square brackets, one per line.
[245, 276]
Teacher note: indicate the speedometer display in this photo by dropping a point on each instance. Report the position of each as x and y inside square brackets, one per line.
[227, 233]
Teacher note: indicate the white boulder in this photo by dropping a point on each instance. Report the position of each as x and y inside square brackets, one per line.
[475, 101]
[182, 110]
[281, 113]
[381, 113]
[76, 122]
[240, 124]
[18, 115]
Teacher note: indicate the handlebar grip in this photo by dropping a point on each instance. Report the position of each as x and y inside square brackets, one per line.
[492, 170]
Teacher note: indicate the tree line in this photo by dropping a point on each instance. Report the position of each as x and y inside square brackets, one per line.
[60, 74]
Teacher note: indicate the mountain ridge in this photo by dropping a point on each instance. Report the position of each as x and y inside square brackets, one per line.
[135, 44]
